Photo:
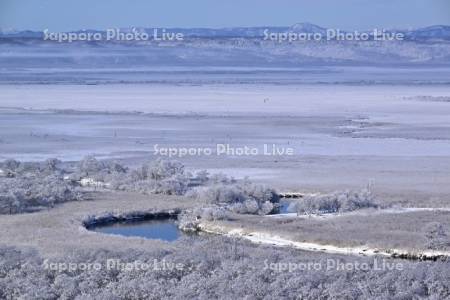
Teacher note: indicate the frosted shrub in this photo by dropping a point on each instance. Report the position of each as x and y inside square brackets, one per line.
[115, 167]
[176, 185]
[243, 197]
[355, 200]
[140, 173]
[259, 192]
[90, 167]
[169, 177]
[28, 193]
[214, 213]
[10, 202]
[436, 235]
[220, 193]
[312, 204]
[251, 206]
[189, 220]
[335, 202]
[47, 167]
[34, 185]
[159, 177]
[11, 164]
[162, 169]
[215, 267]
[266, 208]
[238, 208]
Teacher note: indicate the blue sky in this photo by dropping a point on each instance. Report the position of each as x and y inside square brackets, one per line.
[62, 15]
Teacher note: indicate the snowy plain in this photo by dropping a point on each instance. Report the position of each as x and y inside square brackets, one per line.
[342, 134]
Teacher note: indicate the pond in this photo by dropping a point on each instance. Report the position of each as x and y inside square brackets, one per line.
[165, 230]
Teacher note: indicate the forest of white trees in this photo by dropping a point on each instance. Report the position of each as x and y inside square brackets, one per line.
[35, 185]
[215, 267]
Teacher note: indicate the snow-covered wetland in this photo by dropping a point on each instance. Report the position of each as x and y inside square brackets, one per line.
[89, 153]
[387, 138]
[342, 136]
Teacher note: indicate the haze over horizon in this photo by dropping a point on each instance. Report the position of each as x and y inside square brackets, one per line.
[349, 15]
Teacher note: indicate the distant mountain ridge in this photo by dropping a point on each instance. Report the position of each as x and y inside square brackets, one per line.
[439, 32]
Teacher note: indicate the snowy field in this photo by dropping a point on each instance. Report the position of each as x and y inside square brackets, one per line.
[395, 136]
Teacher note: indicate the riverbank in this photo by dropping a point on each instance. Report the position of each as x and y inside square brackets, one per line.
[63, 228]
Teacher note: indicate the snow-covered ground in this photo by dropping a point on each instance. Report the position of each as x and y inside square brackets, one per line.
[60, 230]
[367, 212]
[386, 102]
[275, 240]
[343, 136]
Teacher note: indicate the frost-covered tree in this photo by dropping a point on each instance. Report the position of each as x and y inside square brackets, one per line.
[51, 164]
[11, 164]
[34, 186]
[335, 202]
[90, 165]
[161, 169]
[215, 267]
[240, 197]
[437, 236]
